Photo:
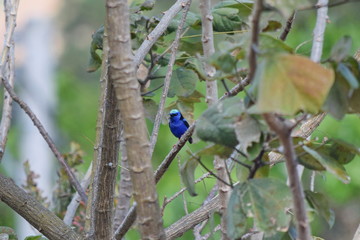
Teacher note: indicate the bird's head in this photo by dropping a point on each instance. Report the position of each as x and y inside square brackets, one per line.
[175, 114]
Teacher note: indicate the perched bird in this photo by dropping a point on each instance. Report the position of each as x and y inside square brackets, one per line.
[178, 124]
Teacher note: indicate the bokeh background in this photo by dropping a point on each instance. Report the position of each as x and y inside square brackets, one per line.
[52, 52]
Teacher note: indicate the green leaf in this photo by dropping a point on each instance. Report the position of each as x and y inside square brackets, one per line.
[187, 170]
[342, 151]
[342, 98]
[216, 124]
[266, 200]
[348, 75]
[247, 131]
[196, 65]
[286, 88]
[9, 231]
[187, 173]
[272, 45]
[244, 6]
[309, 161]
[192, 46]
[183, 82]
[150, 109]
[147, 5]
[321, 205]
[223, 61]
[330, 164]
[227, 19]
[96, 43]
[341, 49]
[337, 100]
[236, 218]
[354, 106]
[272, 26]
[192, 20]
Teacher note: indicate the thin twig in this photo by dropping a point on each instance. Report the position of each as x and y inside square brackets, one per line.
[124, 186]
[167, 79]
[158, 31]
[151, 91]
[288, 26]
[178, 193]
[212, 173]
[208, 235]
[312, 181]
[187, 222]
[74, 182]
[254, 38]
[328, 5]
[75, 201]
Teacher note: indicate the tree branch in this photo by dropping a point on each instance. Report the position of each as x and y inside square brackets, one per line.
[75, 201]
[187, 222]
[102, 199]
[122, 76]
[167, 79]
[254, 38]
[125, 187]
[32, 211]
[158, 31]
[8, 71]
[283, 130]
[319, 31]
[288, 27]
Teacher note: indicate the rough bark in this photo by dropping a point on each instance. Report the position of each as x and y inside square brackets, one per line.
[125, 188]
[37, 215]
[122, 76]
[106, 170]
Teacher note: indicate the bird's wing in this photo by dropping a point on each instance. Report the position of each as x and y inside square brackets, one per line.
[184, 120]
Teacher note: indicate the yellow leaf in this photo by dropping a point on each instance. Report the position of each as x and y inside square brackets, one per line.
[289, 83]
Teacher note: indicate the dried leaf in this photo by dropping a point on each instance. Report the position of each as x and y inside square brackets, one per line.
[288, 84]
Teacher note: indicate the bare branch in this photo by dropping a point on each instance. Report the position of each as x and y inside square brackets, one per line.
[158, 31]
[126, 223]
[207, 40]
[288, 27]
[319, 31]
[254, 38]
[122, 76]
[74, 182]
[187, 222]
[167, 79]
[99, 125]
[106, 168]
[125, 187]
[283, 130]
[75, 201]
[328, 5]
[8, 71]
[32, 211]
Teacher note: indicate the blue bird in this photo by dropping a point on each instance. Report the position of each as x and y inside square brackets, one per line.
[178, 124]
